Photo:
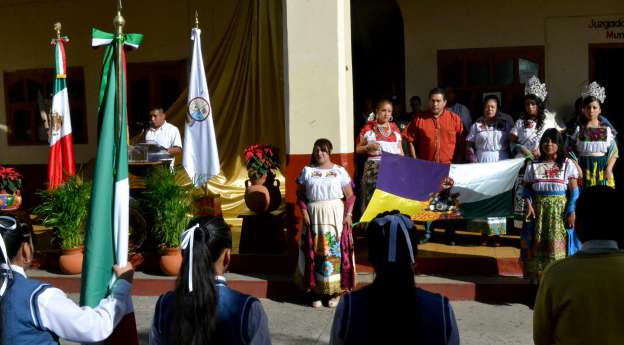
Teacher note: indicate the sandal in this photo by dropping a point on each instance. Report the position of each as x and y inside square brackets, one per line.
[333, 302]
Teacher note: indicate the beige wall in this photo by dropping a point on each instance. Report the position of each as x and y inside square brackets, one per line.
[559, 25]
[27, 29]
[319, 93]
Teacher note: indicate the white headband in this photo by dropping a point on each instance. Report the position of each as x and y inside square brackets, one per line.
[188, 237]
[7, 261]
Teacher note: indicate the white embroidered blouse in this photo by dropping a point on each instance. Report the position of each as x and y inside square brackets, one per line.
[592, 141]
[548, 177]
[324, 184]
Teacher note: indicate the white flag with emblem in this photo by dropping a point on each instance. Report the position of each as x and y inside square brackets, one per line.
[200, 156]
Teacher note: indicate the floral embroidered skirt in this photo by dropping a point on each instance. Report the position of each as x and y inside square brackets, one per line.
[326, 219]
[594, 171]
[547, 243]
[369, 181]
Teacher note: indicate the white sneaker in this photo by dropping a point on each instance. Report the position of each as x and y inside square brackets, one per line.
[333, 302]
[316, 304]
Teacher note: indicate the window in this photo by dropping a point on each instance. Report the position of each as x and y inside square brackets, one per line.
[29, 92]
[153, 84]
[475, 72]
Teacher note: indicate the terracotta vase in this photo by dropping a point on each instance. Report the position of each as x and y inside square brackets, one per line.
[10, 201]
[272, 184]
[171, 261]
[70, 261]
[257, 197]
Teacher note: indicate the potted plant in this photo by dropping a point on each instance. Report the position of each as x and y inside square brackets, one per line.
[10, 185]
[169, 205]
[64, 209]
[262, 192]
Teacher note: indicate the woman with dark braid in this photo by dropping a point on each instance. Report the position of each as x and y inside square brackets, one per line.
[203, 309]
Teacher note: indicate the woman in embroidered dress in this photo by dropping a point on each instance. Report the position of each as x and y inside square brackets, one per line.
[378, 135]
[593, 141]
[326, 260]
[524, 141]
[550, 191]
[488, 141]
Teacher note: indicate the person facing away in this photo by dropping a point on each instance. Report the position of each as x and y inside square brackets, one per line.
[580, 299]
[34, 312]
[392, 310]
[163, 133]
[202, 309]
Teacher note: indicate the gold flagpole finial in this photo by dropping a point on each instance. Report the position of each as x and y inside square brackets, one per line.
[119, 20]
[196, 20]
[57, 28]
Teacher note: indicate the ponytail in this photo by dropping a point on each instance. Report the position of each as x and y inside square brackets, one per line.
[12, 234]
[195, 312]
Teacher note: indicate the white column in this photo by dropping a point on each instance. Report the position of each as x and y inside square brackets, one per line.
[318, 74]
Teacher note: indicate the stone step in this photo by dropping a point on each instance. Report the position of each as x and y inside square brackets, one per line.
[494, 289]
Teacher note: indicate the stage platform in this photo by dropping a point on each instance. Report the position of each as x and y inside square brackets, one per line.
[466, 271]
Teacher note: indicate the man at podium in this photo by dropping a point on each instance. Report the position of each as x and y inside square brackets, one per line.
[163, 133]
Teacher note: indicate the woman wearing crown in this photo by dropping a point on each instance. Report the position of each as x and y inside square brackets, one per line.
[378, 135]
[593, 142]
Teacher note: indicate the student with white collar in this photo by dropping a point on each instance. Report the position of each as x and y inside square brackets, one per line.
[34, 312]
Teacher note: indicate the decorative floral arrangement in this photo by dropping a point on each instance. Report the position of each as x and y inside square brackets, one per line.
[10, 180]
[261, 159]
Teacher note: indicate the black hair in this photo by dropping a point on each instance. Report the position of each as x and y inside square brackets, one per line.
[195, 313]
[554, 136]
[380, 102]
[437, 91]
[393, 305]
[541, 115]
[491, 98]
[595, 208]
[325, 145]
[14, 233]
[415, 98]
[587, 101]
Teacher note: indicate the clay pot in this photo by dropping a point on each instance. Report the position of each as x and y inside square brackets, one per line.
[70, 261]
[171, 261]
[263, 194]
[273, 185]
[10, 201]
[257, 197]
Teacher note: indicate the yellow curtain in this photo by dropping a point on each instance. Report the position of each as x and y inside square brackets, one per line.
[247, 94]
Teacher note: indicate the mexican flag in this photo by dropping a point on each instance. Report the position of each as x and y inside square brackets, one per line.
[61, 163]
[106, 240]
[200, 155]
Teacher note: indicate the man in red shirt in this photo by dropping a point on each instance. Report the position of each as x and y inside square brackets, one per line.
[436, 136]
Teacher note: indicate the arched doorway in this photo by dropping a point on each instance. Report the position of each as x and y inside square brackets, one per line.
[378, 57]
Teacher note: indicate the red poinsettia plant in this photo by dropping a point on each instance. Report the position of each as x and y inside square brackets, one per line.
[10, 180]
[261, 159]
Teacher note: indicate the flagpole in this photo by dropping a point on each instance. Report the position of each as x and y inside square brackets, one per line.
[119, 23]
[205, 186]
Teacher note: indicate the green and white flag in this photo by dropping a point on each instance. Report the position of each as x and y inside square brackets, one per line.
[106, 240]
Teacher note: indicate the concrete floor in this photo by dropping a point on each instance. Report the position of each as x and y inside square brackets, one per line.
[479, 323]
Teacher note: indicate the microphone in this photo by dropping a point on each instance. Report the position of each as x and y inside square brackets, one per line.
[143, 124]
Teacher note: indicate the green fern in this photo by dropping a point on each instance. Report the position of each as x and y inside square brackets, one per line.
[65, 209]
[170, 205]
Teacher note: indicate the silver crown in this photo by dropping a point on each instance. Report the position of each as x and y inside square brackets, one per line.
[534, 87]
[595, 90]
